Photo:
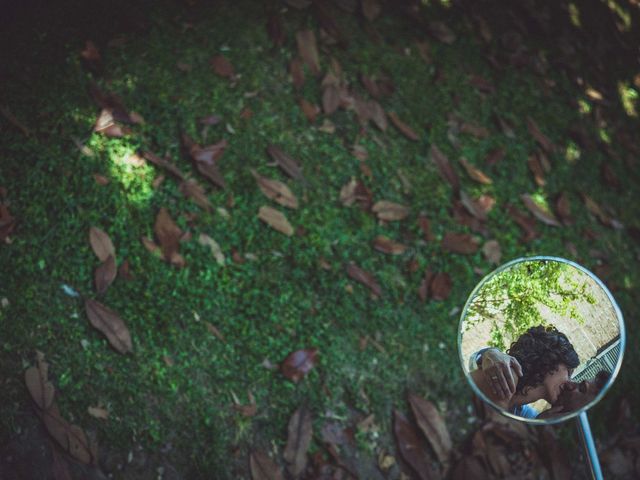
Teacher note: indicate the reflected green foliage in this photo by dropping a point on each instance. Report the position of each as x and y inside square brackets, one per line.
[511, 300]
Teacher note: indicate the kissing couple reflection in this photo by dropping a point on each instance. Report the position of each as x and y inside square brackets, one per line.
[537, 366]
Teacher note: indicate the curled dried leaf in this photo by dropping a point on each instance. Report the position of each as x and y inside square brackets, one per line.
[299, 363]
[475, 173]
[275, 219]
[101, 244]
[365, 278]
[109, 323]
[105, 274]
[386, 245]
[390, 211]
[540, 213]
[432, 425]
[276, 190]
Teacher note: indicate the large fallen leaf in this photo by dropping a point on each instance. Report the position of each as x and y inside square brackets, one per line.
[206, 159]
[526, 223]
[377, 115]
[275, 219]
[364, 277]
[425, 227]
[536, 169]
[222, 66]
[298, 441]
[163, 163]
[440, 287]
[405, 129]
[386, 245]
[297, 73]
[167, 233]
[442, 32]
[285, 162]
[105, 274]
[355, 191]
[433, 426]
[492, 252]
[101, 244]
[41, 389]
[474, 173]
[460, 243]
[597, 211]
[276, 190]
[540, 137]
[412, 447]
[299, 363]
[98, 412]
[563, 209]
[216, 251]
[390, 211]
[70, 437]
[473, 207]
[330, 99]
[308, 50]
[540, 213]
[109, 323]
[190, 188]
[446, 170]
[263, 468]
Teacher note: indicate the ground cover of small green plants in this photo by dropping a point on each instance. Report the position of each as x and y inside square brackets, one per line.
[274, 294]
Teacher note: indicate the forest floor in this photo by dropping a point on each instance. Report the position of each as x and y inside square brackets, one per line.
[155, 123]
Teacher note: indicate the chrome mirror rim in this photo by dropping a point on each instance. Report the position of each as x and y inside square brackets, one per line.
[616, 369]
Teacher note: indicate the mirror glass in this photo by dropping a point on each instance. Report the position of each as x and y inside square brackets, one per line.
[541, 339]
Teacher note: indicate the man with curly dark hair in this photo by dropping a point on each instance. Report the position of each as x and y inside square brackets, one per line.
[546, 359]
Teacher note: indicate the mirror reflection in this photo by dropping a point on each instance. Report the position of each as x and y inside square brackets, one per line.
[540, 339]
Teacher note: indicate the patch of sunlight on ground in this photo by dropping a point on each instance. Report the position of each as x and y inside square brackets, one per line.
[574, 14]
[125, 167]
[584, 107]
[572, 152]
[604, 135]
[629, 98]
[622, 14]
[540, 199]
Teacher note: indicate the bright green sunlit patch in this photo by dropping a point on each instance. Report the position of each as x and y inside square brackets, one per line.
[574, 14]
[628, 97]
[622, 14]
[134, 178]
[604, 135]
[584, 107]
[541, 200]
[572, 152]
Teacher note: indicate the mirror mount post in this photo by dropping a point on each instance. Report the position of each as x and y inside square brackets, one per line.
[589, 446]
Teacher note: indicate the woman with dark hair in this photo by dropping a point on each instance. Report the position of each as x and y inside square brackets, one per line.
[546, 359]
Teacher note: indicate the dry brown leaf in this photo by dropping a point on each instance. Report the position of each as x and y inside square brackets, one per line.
[248, 410]
[263, 468]
[425, 227]
[412, 447]
[299, 363]
[222, 66]
[442, 32]
[206, 159]
[537, 169]
[492, 252]
[371, 9]
[101, 244]
[297, 73]
[298, 441]
[475, 130]
[563, 209]
[462, 243]
[377, 115]
[386, 245]
[275, 219]
[105, 274]
[285, 162]
[310, 111]
[41, 389]
[432, 425]
[596, 210]
[109, 323]
[540, 137]
[447, 172]
[213, 330]
[390, 211]
[405, 129]
[365, 278]
[168, 234]
[527, 224]
[106, 125]
[190, 188]
[98, 412]
[70, 437]
[308, 50]
[216, 251]
[440, 286]
[540, 213]
[474, 173]
[101, 179]
[276, 190]
[164, 163]
[151, 246]
[472, 207]
[330, 99]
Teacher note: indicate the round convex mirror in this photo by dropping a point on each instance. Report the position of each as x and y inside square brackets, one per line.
[541, 339]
